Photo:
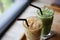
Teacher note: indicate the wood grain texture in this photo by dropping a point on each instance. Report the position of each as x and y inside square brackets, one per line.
[55, 7]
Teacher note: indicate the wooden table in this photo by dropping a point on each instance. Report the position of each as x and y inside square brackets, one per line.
[56, 23]
[56, 27]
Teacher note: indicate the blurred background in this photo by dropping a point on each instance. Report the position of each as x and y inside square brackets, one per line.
[10, 10]
[5, 4]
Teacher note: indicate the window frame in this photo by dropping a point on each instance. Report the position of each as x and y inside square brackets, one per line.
[10, 15]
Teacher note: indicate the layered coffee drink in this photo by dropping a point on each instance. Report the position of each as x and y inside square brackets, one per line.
[33, 31]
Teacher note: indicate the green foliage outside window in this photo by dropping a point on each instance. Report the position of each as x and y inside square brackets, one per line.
[4, 4]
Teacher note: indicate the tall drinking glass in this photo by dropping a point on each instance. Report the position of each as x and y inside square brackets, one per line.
[33, 31]
[47, 19]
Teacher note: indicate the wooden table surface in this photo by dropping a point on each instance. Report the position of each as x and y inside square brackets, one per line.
[56, 23]
[56, 27]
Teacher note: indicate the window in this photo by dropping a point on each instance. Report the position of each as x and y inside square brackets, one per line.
[5, 4]
[9, 11]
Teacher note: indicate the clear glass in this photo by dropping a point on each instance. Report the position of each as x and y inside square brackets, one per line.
[46, 27]
[33, 32]
[47, 20]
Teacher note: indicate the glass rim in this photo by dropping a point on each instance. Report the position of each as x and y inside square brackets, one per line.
[25, 26]
[40, 16]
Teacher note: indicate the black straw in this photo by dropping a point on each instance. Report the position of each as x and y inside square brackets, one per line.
[37, 8]
[24, 20]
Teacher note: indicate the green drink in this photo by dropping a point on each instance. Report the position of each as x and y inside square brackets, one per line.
[46, 19]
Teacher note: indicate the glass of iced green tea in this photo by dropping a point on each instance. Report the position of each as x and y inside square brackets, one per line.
[47, 19]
